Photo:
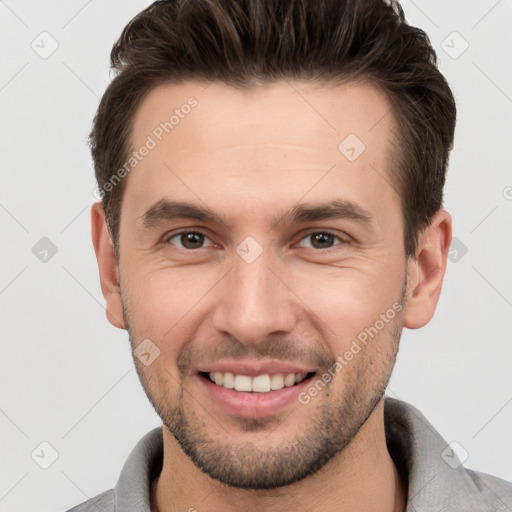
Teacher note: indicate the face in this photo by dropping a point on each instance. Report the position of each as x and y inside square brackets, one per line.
[262, 249]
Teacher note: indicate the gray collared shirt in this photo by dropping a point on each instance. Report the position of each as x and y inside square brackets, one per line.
[436, 480]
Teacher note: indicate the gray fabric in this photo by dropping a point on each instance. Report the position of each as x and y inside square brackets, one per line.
[415, 446]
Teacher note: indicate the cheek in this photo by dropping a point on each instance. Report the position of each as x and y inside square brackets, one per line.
[345, 301]
[162, 300]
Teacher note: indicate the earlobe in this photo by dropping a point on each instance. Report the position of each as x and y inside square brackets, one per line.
[107, 266]
[425, 272]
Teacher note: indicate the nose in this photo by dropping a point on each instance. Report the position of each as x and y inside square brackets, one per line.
[254, 302]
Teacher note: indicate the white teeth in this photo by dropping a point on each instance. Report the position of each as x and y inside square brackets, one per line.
[229, 380]
[277, 382]
[243, 383]
[289, 380]
[259, 384]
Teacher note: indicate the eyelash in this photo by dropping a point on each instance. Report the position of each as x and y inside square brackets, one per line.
[166, 239]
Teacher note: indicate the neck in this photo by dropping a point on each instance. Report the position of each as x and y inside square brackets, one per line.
[363, 477]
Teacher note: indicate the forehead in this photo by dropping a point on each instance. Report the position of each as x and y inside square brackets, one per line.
[213, 143]
[258, 113]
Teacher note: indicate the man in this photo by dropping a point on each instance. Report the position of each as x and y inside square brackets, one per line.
[272, 176]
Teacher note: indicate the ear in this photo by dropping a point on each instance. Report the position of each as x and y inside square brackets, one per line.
[107, 266]
[425, 271]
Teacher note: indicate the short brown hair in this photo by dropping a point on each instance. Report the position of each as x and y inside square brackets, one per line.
[240, 42]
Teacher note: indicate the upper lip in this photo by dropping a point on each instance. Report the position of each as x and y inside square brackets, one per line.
[253, 368]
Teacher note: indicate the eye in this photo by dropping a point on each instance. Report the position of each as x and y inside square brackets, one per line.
[320, 240]
[189, 240]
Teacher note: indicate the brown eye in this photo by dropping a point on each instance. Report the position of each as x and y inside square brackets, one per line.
[320, 240]
[189, 240]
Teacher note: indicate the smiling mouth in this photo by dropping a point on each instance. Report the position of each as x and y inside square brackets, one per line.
[264, 383]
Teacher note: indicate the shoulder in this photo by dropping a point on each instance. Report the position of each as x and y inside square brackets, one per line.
[494, 491]
[437, 479]
[131, 491]
[104, 502]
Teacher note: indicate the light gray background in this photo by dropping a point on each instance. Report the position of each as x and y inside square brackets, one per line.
[67, 376]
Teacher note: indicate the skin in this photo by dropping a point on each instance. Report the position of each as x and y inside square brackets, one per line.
[250, 155]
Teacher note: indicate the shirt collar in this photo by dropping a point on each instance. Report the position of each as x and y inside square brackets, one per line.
[436, 478]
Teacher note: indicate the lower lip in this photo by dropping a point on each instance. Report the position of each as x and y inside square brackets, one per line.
[252, 405]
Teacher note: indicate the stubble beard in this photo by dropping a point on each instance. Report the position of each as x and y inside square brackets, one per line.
[332, 423]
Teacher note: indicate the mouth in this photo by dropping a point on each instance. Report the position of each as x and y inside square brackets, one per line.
[253, 396]
[263, 383]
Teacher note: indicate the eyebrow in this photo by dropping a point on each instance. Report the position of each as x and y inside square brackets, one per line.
[166, 210]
